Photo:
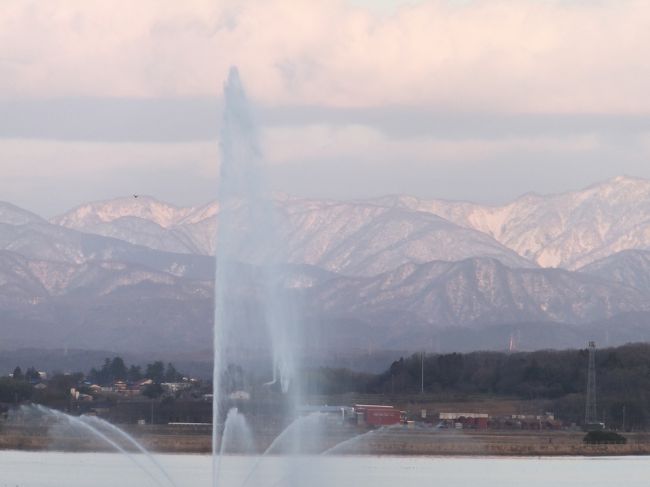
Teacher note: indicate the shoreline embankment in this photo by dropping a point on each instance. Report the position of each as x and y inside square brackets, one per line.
[394, 442]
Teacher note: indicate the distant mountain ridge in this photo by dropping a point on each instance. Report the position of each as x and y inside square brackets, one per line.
[628, 267]
[137, 273]
[354, 238]
[567, 230]
[481, 291]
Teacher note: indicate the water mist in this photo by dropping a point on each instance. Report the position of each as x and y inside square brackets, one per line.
[248, 229]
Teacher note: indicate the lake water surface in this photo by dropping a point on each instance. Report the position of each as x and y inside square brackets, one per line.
[53, 469]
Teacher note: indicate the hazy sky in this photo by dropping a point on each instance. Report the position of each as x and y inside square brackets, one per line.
[477, 100]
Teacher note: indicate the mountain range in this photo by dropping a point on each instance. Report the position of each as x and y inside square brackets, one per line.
[396, 272]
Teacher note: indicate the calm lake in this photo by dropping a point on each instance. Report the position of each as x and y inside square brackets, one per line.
[50, 469]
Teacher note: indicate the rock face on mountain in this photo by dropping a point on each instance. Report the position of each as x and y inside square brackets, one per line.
[391, 272]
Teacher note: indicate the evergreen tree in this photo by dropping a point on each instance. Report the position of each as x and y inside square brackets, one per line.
[32, 375]
[156, 372]
[117, 369]
[18, 373]
[172, 375]
[135, 373]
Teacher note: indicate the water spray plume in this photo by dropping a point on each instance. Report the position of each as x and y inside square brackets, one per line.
[75, 421]
[101, 423]
[264, 325]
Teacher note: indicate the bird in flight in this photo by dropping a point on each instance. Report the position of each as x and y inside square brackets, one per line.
[136, 195]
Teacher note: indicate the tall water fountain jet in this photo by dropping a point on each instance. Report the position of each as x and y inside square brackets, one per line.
[248, 227]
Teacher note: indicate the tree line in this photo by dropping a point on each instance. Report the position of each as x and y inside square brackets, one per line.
[116, 369]
[623, 380]
[18, 387]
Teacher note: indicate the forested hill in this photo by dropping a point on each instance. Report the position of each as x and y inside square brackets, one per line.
[623, 379]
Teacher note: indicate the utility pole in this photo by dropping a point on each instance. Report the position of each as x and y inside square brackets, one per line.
[590, 406]
[422, 372]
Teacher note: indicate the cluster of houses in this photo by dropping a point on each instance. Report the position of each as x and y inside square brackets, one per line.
[128, 389]
[86, 391]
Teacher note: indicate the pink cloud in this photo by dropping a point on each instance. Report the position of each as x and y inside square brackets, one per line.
[506, 55]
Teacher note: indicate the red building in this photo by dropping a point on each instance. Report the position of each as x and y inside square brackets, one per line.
[375, 415]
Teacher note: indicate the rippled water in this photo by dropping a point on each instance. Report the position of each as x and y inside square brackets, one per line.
[41, 469]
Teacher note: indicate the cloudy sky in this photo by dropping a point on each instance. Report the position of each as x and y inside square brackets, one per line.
[478, 100]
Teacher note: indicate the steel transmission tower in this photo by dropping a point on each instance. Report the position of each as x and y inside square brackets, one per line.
[590, 408]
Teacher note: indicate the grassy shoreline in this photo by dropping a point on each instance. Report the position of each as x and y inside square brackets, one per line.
[395, 443]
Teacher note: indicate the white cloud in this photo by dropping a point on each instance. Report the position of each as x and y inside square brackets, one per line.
[429, 97]
[510, 55]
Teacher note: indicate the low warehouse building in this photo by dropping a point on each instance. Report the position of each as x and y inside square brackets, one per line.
[465, 420]
[376, 415]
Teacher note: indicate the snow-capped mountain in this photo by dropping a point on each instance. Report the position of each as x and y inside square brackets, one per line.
[566, 230]
[141, 207]
[353, 238]
[43, 241]
[141, 221]
[395, 267]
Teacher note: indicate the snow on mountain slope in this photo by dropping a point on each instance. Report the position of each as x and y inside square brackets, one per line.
[148, 222]
[478, 291]
[398, 263]
[566, 230]
[140, 221]
[352, 237]
[144, 207]
[17, 282]
[139, 231]
[47, 242]
[629, 267]
[37, 279]
[362, 240]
